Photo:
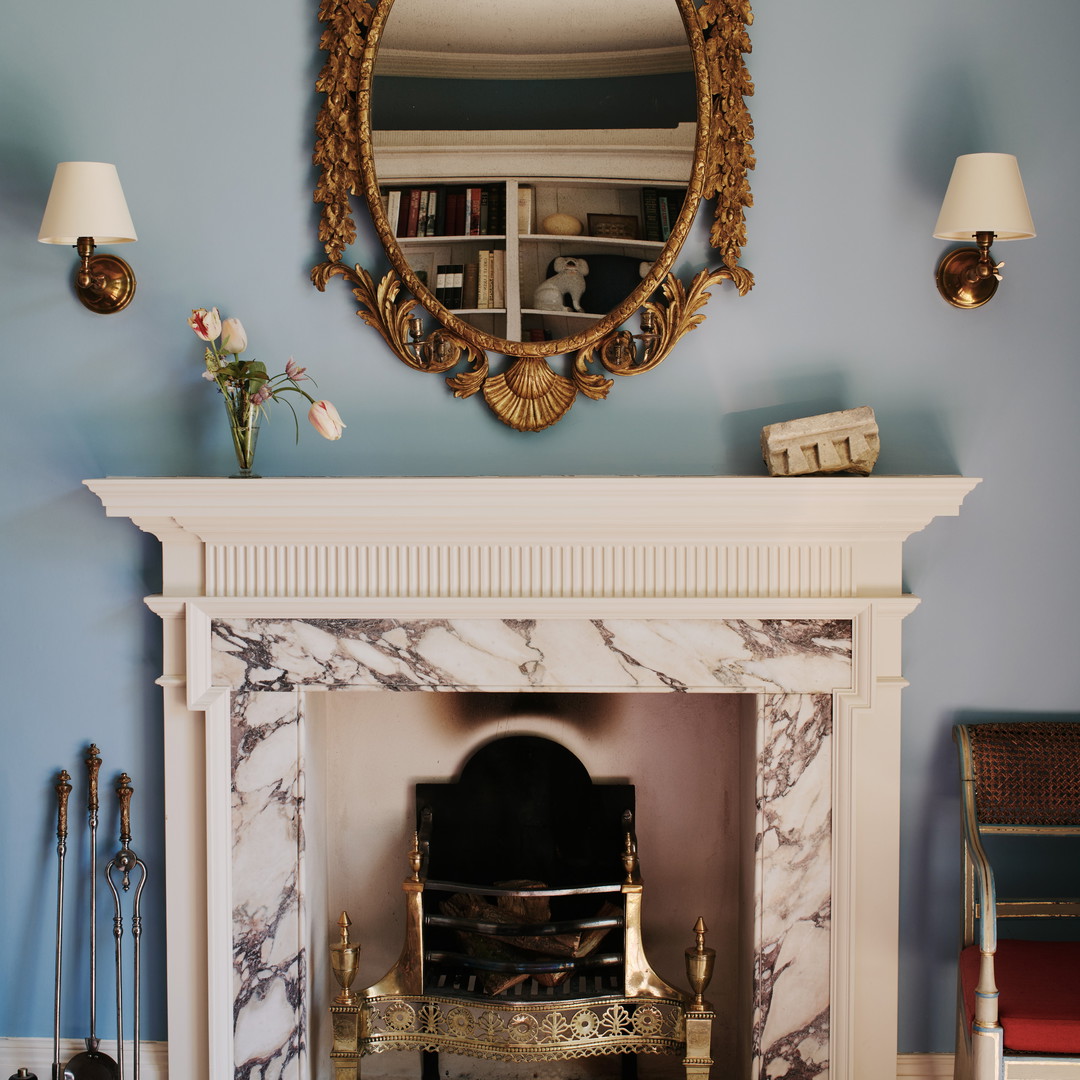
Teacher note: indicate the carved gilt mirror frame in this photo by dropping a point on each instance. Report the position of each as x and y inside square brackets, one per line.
[529, 395]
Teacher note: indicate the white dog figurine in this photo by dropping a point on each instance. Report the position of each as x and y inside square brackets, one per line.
[568, 280]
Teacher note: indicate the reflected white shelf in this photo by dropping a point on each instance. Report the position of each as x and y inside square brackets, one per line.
[599, 241]
[562, 314]
[416, 241]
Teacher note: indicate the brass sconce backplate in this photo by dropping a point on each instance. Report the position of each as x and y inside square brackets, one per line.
[111, 285]
[959, 282]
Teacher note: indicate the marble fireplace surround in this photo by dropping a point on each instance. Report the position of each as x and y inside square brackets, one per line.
[787, 589]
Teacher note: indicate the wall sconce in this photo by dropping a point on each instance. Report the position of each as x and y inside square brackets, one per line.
[985, 201]
[86, 207]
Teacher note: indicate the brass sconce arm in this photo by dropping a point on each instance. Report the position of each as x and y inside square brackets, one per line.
[437, 353]
[620, 353]
[986, 267]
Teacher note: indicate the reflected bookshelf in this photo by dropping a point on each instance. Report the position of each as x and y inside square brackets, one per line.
[485, 262]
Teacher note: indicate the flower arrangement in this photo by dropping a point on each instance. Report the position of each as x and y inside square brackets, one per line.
[247, 387]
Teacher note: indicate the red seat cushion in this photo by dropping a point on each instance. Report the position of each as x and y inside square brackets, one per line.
[1039, 993]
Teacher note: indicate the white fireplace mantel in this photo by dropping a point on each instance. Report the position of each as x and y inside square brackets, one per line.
[538, 536]
[662, 559]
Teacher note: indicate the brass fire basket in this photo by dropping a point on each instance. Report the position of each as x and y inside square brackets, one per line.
[522, 968]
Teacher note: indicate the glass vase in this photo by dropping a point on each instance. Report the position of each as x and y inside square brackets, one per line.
[244, 425]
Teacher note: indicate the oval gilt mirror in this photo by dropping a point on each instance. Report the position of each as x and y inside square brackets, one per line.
[532, 172]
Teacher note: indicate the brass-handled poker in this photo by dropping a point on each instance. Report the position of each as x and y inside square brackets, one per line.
[63, 790]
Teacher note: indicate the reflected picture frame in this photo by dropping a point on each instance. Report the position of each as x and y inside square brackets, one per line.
[615, 226]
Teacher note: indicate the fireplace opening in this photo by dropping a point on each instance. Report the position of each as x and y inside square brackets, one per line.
[689, 757]
[523, 842]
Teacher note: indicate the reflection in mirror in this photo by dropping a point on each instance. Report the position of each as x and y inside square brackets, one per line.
[519, 64]
[506, 105]
[533, 171]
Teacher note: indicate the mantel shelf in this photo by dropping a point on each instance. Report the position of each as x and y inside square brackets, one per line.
[534, 536]
[674, 506]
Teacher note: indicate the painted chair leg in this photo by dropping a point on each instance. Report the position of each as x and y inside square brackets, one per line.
[987, 1053]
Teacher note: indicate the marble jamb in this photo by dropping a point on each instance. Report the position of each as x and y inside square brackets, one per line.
[269, 965]
[793, 886]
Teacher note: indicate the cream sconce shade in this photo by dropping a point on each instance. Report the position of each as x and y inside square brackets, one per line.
[87, 207]
[985, 201]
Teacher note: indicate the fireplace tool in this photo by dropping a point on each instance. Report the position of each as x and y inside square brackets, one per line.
[63, 790]
[122, 864]
[92, 1063]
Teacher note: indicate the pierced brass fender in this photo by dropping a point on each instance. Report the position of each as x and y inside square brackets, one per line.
[529, 395]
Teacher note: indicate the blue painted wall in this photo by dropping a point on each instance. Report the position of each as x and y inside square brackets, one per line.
[207, 110]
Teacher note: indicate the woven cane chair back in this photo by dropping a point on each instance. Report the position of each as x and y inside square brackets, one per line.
[1026, 774]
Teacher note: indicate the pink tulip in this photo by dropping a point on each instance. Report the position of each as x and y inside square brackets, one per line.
[324, 418]
[206, 324]
[233, 338]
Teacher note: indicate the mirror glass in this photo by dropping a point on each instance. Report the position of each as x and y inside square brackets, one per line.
[532, 158]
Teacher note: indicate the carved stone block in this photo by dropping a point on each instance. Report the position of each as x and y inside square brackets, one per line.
[832, 442]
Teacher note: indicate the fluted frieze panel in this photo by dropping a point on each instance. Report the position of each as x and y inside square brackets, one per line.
[532, 570]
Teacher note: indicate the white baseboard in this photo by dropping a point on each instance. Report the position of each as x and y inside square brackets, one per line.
[36, 1056]
[924, 1066]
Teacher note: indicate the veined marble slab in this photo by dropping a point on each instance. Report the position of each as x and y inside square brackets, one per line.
[269, 965]
[794, 666]
[806, 656]
[793, 886]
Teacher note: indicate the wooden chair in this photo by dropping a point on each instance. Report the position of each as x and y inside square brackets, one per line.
[523, 929]
[1019, 1008]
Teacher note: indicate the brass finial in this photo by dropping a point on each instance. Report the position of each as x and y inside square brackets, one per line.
[345, 961]
[416, 860]
[344, 922]
[699, 966]
[629, 858]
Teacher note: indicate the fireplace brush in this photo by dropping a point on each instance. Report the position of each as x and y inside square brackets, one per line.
[122, 864]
